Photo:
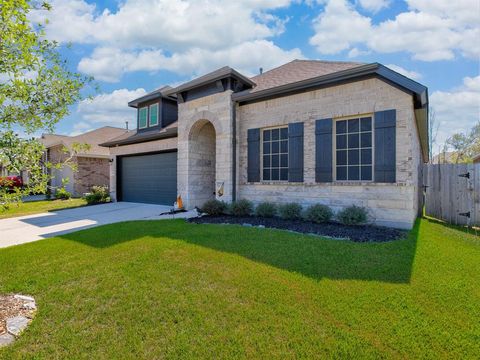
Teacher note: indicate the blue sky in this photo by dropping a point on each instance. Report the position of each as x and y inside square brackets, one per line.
[135, 46]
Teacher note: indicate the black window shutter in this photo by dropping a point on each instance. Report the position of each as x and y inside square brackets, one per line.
[295, 152]
[253, 154]
[385, 146]
[323, 150]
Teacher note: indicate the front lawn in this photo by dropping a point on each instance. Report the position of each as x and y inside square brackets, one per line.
[35, 207]
[169, 289]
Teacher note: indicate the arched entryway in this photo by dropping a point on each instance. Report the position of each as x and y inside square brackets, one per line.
[201, 163]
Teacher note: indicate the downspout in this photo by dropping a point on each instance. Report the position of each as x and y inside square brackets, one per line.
[234, 151]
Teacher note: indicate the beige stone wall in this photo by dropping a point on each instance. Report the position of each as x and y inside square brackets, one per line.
[217, 110]
[389, 204]
[146, 147]
[56, 155]
[91, 172]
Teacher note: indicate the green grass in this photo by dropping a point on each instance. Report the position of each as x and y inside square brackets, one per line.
[35, 207]
[167, 289]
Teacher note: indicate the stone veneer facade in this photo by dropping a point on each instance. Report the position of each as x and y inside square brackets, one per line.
[389, 204]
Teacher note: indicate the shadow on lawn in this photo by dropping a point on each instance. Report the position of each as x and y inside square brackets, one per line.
[311, 256]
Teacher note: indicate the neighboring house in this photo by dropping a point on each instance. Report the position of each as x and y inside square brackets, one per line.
[92, 166]
[337, 133]
[476, 159]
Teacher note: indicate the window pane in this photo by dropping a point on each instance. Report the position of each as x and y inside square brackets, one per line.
[266, 174]
[284, 160]
[353, 157]
[275, 147]
[353, 125]
[366, 173]
[275, 174]
[341, 141]
[366, 139]
[341, 127]
[353, 141]
[266, 135]
[341, 173]
[341, 157]
[354, 173]
[284, 146]
[266, 161]
[142, 118]
[275, 134]
[275, 161]
[284, 133]
[284, 174]
[366, 124]
[266, 148]
[366, 157]
[153, 114]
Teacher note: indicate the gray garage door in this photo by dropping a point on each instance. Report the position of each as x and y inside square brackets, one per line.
[149, 178]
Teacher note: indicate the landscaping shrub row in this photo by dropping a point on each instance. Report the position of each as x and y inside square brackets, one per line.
[317, 213]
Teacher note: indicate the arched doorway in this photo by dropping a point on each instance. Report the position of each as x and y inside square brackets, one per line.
[201, 163]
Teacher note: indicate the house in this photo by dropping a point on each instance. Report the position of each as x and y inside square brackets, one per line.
[476, 159]
[337, 133]
[92, 165]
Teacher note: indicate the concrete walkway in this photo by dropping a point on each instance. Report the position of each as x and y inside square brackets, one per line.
[24, 229]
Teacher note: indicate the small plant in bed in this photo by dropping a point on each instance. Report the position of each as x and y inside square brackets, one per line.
[266, 210]
[98, 195]
[241, 207]
[318, 213]
[62, 194]
[353, 215]
[290, 211]
[214, 207]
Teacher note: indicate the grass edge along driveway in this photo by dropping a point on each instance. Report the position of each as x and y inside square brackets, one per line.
[169, 289]
[37, 207]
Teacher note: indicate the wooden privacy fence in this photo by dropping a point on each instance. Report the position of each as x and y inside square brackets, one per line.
[452, 192]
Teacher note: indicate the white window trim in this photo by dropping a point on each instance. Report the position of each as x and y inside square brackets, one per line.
[149, 112]
[146, 123]
[261, 154]
[334, 150]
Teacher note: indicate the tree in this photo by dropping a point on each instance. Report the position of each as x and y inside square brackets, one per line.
[433, 127]
[36, 88]
[465, 145]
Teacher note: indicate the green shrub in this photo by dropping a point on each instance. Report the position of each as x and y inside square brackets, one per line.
[353, 215]
[63, 194]
[290, 211]
[214, 207]
[98, 195]
[318, 213]
[266, 209]
[241, 208]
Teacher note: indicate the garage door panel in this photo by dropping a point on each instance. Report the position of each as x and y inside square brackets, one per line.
[149, 178]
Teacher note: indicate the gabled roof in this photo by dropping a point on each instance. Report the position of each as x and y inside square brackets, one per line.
[156, 94]
[92, 138]
[219, 74]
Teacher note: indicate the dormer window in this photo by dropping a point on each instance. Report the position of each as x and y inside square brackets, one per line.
[142, 117]
[153, 115]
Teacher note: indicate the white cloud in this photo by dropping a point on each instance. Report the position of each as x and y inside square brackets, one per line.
[457, 110]
[429, 30]
[186, 37]
[109, 64]
[108, 109]
[80, 128]
[408, 73]
[356, 52]
[374, 5]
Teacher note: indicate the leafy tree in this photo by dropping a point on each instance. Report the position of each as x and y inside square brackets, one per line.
[36, 89]
[465, 145]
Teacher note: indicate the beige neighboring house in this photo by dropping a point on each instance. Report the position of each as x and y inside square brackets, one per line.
[337, 133]
[93, 165]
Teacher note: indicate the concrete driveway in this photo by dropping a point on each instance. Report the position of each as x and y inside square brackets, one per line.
[30, 228]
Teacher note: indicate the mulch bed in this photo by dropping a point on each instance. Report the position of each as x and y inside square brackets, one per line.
[11, 307]
[363, 233]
